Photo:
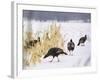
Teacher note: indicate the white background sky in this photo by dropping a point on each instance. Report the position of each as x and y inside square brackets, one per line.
[5, 39]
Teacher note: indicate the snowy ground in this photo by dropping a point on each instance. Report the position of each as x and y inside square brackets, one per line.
[81, 57]
[69, 30]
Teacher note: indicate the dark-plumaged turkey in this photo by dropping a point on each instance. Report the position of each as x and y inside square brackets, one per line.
[54, 52]
[82, 40]
[70, 46]
[32, 43]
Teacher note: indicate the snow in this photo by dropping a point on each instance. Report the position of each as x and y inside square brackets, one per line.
[81, 56]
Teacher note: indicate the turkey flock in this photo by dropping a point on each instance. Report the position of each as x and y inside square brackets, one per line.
[55, 52]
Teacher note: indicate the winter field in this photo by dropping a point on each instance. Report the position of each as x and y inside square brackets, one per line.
[81, 56]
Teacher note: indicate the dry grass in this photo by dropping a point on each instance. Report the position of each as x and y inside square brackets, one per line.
[51, 38]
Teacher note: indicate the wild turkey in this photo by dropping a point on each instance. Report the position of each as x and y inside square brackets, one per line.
[55, 52]
[32, 43]
[70, 46]
[36, 41]
[82, 40]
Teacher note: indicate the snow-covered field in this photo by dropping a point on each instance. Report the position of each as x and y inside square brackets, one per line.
[69, 30]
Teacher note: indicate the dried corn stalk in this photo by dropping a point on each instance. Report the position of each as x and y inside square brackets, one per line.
[51, 38]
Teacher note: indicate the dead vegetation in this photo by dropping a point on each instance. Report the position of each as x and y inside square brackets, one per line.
[34, 53]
